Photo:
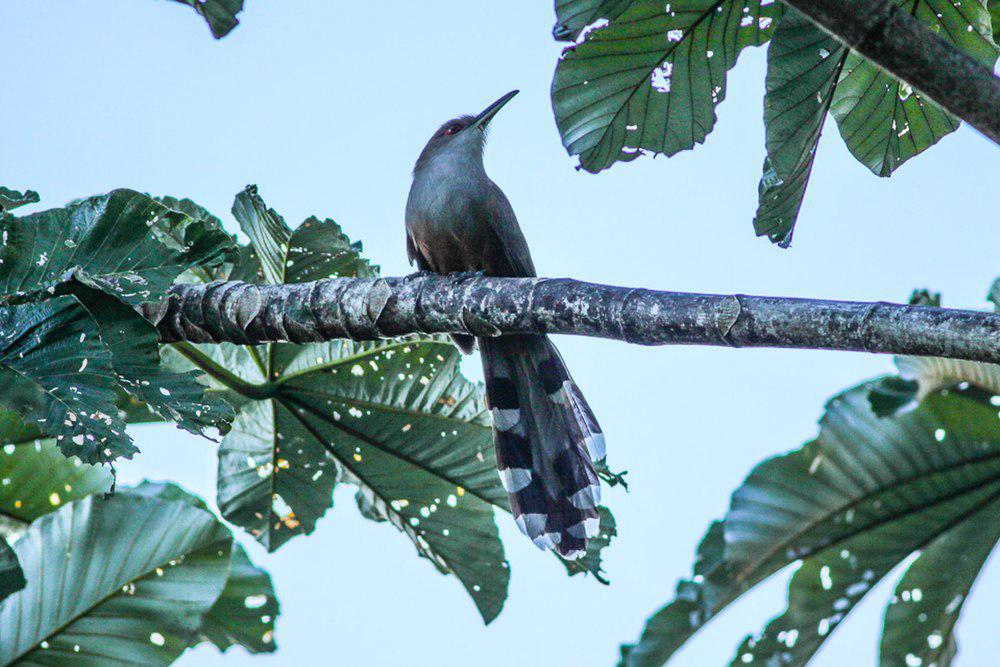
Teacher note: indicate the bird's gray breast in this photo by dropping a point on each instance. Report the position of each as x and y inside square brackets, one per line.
[444, 215]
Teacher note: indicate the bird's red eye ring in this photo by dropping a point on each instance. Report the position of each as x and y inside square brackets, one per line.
[454, 128]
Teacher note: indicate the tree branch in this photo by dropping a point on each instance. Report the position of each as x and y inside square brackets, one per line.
[372, 308]
[906, 48]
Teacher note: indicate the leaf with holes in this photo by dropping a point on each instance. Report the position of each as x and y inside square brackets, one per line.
[36, 477]
[124, 243]
[394, 418]
[64, 377]
[575, 18]
[149, 569]
[803, 65]
[135, 358]
[885, 121]
[245, 611]
[650, 79]
[922, 614]
[11, 199]
[128, 247]
[220, 15]
[850, 505]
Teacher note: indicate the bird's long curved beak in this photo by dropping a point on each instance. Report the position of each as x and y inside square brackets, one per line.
[483, 119]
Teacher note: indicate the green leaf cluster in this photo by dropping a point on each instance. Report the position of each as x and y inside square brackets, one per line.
[904, 466]
[645, 77]
[137, 577]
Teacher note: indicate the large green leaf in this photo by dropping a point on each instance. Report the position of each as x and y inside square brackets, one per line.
[803, 65]
[122, 243]
[650, 79]
[275, 480]
[55, 350]
[850, 505]
[245, 611]
[130, 247]
[397, 420]
[11, 199]
[885, 121]
[219, 14]
[921, 617]
[127, 579]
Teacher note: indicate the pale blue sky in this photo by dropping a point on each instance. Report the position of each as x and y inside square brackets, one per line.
[325, 105]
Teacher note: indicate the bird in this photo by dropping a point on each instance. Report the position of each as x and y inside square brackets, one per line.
[546, 438]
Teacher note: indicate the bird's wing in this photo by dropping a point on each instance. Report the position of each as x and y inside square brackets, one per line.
[513, 249]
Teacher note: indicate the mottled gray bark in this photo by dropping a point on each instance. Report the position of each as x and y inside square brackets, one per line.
[905, 47]
[371, 308]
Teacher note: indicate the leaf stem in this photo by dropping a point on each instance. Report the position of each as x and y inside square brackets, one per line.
[255, 391]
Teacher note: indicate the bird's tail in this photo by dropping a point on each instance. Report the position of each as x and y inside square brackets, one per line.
[546, 440]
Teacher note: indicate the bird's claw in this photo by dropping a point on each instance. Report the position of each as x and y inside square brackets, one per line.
[415, 275]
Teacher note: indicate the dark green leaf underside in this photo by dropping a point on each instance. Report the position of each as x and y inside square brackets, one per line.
[650, 80]
[220, 15]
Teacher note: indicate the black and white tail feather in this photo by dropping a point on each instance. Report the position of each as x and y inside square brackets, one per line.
[546, 441]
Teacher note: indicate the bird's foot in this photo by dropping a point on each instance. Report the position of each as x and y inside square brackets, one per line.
[415, 275]
[461, 276]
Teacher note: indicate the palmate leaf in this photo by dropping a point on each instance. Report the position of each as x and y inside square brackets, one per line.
[220, 15]
[885, 121]
[418, 448]
[11, 199]
[921, 617]
[126, 579]
[803, 65]
[851, 505]
[650, 79]
[57, 370]
[130, 247]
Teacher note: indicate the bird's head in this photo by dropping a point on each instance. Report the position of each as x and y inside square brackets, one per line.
[461, 139]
